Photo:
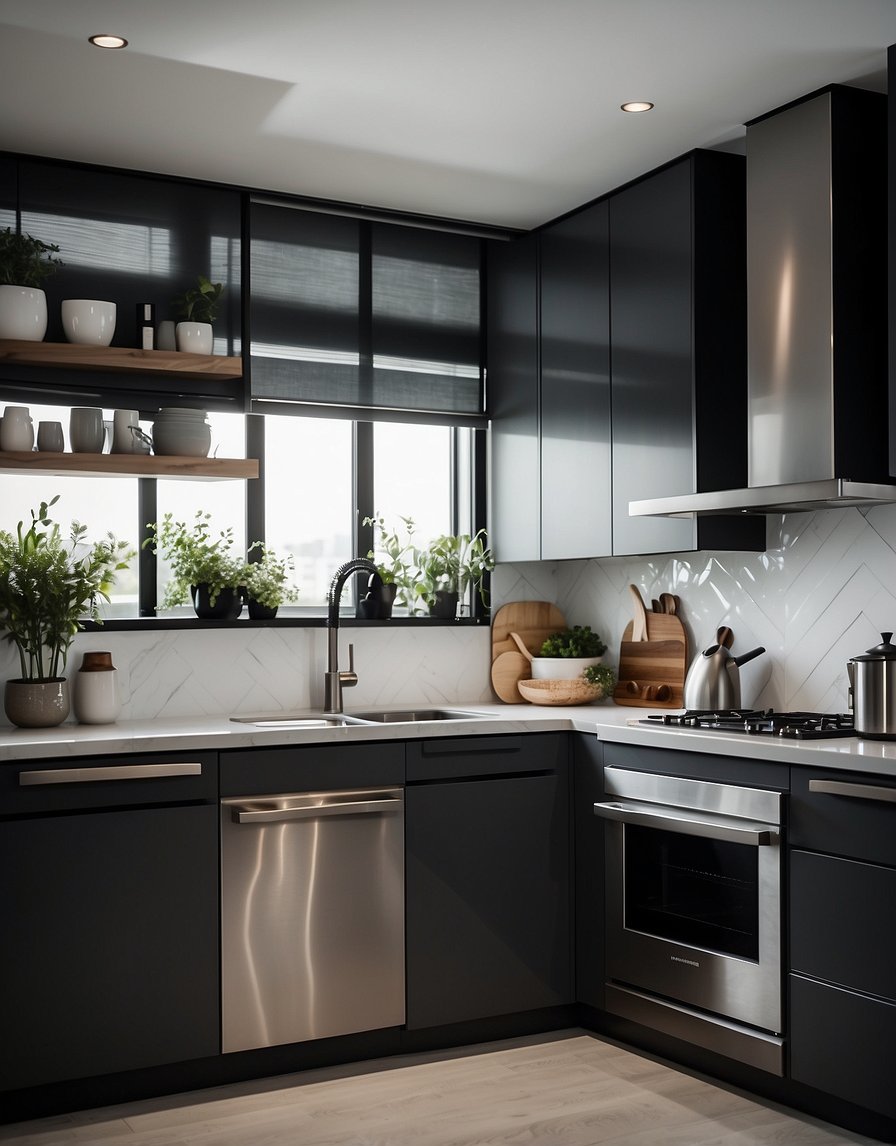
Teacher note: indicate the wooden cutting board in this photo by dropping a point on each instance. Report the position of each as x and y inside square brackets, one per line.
[535, 621]
[652, 672]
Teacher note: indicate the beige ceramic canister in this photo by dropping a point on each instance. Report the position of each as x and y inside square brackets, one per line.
[96, 697]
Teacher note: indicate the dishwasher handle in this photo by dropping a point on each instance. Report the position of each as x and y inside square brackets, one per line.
[252, 814]
[689, 823]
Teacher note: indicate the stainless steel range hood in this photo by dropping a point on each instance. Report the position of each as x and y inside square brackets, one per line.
[816, 286]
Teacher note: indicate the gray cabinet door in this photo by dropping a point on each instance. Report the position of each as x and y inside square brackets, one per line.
[575, 387]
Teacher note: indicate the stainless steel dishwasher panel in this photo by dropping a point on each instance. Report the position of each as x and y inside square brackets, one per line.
[312, 940]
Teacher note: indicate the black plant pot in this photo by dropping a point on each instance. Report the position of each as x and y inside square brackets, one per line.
[260, 612]
[377, 604]
[227, 607]
[445, 607]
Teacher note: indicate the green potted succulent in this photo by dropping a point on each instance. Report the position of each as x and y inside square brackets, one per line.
[566, 654]
[448, 566]
[196, 309]
[204, 568]
[48, 586]
[24, 264]
[268, 583]
[393, 555]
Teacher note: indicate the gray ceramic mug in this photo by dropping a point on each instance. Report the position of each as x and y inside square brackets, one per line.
[50, 437]
[86, 430]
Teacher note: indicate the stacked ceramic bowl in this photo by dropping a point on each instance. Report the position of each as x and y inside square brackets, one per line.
[182, 432]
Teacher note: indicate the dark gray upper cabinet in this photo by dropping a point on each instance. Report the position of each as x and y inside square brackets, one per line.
[678, 335]
[575, 387]
[512, 385]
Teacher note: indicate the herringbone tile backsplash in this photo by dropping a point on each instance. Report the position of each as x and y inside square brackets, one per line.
[822, 592]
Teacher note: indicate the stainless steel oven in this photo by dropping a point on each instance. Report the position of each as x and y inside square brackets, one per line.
[694, 911]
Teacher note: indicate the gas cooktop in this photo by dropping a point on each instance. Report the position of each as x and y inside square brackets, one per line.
[793, 725]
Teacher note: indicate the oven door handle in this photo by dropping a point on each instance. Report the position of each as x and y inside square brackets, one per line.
[689, 823]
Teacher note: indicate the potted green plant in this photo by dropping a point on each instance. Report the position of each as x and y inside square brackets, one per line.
[47, 587]
[602, 678]
[448, 566]
[204, 568]
[197, 309]
[393, 555]
[268, 583]
[566, 654]
[24, 264]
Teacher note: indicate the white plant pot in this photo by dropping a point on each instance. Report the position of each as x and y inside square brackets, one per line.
[88, 321]
[194, 337]
[561, 668]
[23, 313]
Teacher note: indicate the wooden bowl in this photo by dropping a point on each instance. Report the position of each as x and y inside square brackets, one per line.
[559, 691]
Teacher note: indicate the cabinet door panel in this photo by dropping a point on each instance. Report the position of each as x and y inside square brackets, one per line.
[842, 925]
[575, 387]
[843, 1044]
[651, 308]
[110, 954]
[512, 399]
[588, 788]
[487, 893]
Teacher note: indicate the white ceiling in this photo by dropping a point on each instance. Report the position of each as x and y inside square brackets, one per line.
[499, 111]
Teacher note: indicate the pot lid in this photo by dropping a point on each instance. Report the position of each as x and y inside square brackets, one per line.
[885, 651]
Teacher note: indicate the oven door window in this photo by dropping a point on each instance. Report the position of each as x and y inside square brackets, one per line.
[692, 890]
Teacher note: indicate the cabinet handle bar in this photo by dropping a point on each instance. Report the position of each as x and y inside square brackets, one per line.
[107, 772]
[856, 791]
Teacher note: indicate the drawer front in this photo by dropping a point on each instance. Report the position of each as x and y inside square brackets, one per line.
[265, 771]
[843, 922]
[844, 813]
[125, 779]
[843, 1044]
[461, 757]
[698, 765]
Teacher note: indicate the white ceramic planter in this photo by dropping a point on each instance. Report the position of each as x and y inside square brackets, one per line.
[88, 321]
[194, 337]
[23, 313]
[561, 668]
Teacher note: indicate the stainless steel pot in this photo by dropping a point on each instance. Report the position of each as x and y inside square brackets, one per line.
[713, 680]
[872, 680]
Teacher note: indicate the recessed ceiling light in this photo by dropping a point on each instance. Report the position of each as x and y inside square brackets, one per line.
[104, 41]
[636, 106]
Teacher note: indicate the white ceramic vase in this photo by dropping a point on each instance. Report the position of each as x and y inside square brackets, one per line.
[96, 697]
[16, 430]
[194, 337]
[23, 313]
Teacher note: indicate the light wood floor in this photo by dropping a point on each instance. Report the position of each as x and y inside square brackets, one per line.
[564, 1089]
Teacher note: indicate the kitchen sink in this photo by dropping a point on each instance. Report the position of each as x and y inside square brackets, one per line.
[414, 716]
[284, 720]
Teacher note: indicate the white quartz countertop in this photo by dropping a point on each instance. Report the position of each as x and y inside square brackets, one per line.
[610, 723]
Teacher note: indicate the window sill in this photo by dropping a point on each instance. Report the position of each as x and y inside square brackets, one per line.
[143, 624]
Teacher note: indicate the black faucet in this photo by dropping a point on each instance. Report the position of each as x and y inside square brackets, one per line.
[334, 680]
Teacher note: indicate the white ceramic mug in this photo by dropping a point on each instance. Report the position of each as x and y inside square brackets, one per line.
[123, 441]
[50, 437]
[88, 321]
[16, 430]
[86, 430]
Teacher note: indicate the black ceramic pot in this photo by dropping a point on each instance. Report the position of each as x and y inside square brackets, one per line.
[377, 604]
[227, 607]
[260, 612]
[445, 607]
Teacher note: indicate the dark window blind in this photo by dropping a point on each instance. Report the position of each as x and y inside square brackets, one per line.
[358, 315]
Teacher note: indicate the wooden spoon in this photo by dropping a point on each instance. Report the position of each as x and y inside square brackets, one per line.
[518, 641]
[667, 603]
[639, 626]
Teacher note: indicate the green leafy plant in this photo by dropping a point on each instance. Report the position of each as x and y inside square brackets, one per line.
[25, 261]
[195, 557]
[602, 677]
[451, 563]
[48, 586]
[579, 641]
[269, 581]
[394, 557]
[199, 304]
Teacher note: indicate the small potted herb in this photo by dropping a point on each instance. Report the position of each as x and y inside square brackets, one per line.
[197, 309]
[566, 654]
[204, 569]
[393, 555]
[24, 263]
[268, 583]
[448, 567]
[47, 588]
[602, 678]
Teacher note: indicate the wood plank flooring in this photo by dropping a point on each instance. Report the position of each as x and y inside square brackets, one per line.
[565, 1089]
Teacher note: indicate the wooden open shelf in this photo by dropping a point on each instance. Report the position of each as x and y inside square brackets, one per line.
[67, 354]
[128, 465]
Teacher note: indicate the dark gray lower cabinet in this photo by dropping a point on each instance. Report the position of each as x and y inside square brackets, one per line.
[842, 936]
[488, 917]
[588, 788]
[109, 958]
